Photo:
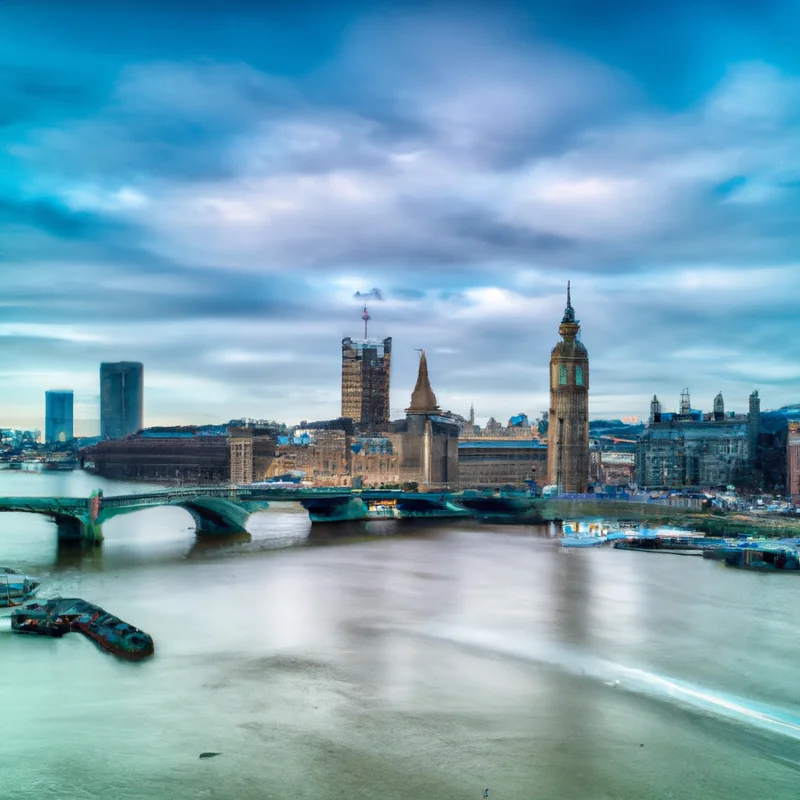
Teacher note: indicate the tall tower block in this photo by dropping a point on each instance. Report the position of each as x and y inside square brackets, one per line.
[366, 372]
[568, 431]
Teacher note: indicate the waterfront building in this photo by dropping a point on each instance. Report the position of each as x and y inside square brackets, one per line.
[365, 379]
[186, 455]
[568, 429]
[121, 398]
[688, 448]
[422, 448]
[499, 462]
[58, 416]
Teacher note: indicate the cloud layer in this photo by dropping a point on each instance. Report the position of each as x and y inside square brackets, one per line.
[212, 215]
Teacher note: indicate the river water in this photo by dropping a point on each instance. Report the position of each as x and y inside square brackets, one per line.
[394, 660]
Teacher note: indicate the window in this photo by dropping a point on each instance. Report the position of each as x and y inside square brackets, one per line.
[579, 376]
[562, 377]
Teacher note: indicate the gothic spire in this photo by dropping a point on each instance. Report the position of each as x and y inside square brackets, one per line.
[423, 400]
[569, 311]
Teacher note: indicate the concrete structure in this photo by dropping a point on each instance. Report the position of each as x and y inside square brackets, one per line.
[121, 398]
[501, 462]
[793, 461]
[568, 430]
[58, 415]
[365, 379]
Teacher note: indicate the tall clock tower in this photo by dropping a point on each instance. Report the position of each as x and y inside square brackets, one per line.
[568, 428]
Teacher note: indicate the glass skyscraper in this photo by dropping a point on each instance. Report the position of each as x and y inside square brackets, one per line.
[58, 415]
[121, 398]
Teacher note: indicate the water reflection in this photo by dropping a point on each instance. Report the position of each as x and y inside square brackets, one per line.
[572, 594]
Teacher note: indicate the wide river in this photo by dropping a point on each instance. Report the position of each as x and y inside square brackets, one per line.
[394, 660]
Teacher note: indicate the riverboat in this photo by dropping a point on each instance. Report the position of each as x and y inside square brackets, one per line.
[15, 587]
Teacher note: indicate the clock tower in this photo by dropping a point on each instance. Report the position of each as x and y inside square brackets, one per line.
[568, 429]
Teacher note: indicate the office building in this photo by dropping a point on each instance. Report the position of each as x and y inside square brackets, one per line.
[58, 416]
[121, 398]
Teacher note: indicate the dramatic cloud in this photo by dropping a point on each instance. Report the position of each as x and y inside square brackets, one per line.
[217, 209]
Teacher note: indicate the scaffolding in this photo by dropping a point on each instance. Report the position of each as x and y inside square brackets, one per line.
[365, 380]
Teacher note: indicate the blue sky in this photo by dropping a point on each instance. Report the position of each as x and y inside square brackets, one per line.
[204, 186]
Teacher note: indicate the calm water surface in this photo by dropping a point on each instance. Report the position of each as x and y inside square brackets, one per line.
[393, 660]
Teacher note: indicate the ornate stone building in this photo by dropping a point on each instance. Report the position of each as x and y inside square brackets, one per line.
[568, 431]
[426, 440]
[689, 448]
[421, 448]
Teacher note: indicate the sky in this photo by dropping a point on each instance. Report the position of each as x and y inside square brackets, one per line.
[204, 187]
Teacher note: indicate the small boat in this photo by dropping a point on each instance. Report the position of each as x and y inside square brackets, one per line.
[583, 533]
[15, 587]
[64, 615]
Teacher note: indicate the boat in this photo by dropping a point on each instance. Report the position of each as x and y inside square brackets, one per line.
[764, 559]
[666, 540]
[60, 616]
[583, 533]
[16, 587]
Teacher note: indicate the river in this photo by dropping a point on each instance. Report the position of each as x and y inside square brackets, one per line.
[394, 660]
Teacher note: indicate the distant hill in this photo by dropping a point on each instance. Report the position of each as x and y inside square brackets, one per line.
[773, 421]
[614, 427]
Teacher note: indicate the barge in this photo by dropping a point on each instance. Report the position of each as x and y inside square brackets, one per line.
[65, 615]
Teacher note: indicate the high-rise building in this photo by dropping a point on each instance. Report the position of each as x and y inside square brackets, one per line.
[121, 398]
[58, 415]
[754, 418]
[365, 379]
[568, 429]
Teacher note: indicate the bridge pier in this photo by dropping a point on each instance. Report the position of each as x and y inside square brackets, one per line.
[216, 516]
[77, 529]
[336, 509]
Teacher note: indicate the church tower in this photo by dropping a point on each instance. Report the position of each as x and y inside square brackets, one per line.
[568, 431]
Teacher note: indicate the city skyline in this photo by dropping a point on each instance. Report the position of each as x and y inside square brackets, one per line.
[207, 199]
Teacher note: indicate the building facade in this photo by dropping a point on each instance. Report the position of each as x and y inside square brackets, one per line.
[793, 461]
[58, 419]
[689, 448]
[501, 462]
[422, 448]
[568, 428]
[185, 455]
[427, 440]
[121, 398]
[366, 372]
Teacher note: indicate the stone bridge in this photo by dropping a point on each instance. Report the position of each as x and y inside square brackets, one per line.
[225, 509]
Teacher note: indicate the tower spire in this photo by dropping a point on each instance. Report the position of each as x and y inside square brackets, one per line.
[366, 317]
[569, 311]
[423, 400]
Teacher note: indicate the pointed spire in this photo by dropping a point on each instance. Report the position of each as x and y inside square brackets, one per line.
[569, 311]
[423, 400]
